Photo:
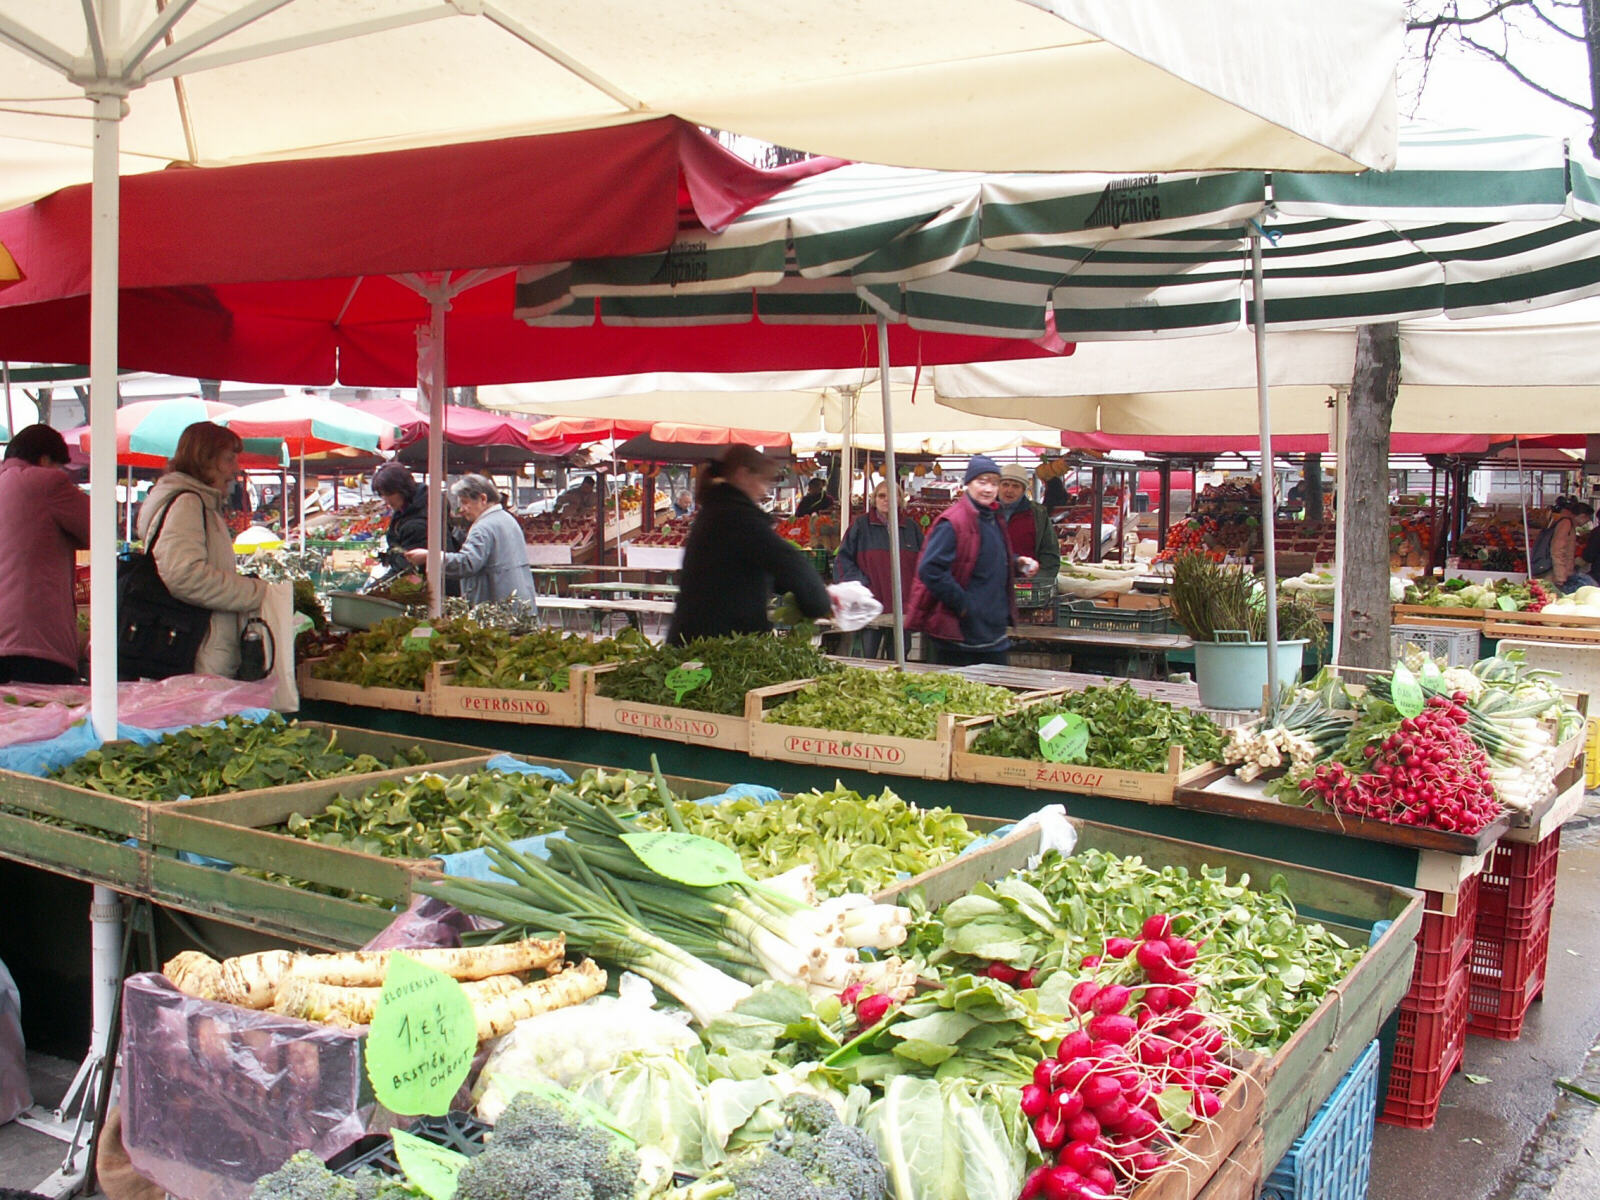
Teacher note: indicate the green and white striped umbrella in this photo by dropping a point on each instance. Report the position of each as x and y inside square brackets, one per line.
[1467, 223]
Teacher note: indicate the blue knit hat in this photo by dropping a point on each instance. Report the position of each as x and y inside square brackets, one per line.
[980, 464]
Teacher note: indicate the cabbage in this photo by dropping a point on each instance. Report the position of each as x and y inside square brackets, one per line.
[949, 1139]
[1589, 597]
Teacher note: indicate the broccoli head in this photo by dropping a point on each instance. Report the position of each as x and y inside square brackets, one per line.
[304, 1177]
[814, 1156]
[539, 1149]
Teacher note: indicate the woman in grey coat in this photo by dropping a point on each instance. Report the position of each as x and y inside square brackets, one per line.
[493, 563]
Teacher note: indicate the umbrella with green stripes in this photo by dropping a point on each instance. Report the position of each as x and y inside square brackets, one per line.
[1467, 223]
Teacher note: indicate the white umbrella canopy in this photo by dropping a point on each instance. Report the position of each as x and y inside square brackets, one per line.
[1534, 372]
[1170, 84]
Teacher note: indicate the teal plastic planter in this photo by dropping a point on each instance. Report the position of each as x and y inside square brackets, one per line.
[1234, 674]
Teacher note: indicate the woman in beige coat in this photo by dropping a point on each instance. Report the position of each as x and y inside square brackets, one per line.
[194, 553]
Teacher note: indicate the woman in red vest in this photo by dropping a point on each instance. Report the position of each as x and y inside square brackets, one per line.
[962, 599]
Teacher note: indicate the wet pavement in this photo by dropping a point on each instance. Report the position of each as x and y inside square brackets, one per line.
[1516, 1135]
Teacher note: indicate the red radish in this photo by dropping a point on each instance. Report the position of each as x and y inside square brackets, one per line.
[1048, 1074]
[1050, 1129]
[1157, 998]
[1119, 947]
[1113, 1028]
[1153, 954]
[1033, 1186]
[1141, 1124]
[1156, 926]
[1034, 1099]
[1068, 1104]
[1075, 1045]
[1153, 1051]
[1075, 1072]
[1112, 998]
[1113, 1114]
[1089, 961]
[1182, 993]
[1082, 1157]
[1182, 950]
[1206, 1103]
[1103, 1180]
[1099, 1090]
[1082, 995]
[1146, 1165]
[1028, 980]
[871, 1009]
[851, 994]
[1063, 1183]
[1082, 1128]
[1004, 972]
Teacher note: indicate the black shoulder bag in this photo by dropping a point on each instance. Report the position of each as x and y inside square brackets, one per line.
[158, 635]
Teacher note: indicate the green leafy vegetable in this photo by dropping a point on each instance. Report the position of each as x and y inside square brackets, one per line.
[1127, 731]
[738, 664]
[892, 703]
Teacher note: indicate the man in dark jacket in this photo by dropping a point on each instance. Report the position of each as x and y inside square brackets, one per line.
[734, 561]
[962, 598]
[1027, 524]
[864, 557]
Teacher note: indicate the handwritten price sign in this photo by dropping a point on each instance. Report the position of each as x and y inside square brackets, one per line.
[421, 1041]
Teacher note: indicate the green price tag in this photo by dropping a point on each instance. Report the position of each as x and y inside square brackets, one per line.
[561, 679]
[685, 679]
[1064, 738]
[934, 695]
[1406, 691]
[687, 858]
[421, 1041]
[420, 638]
[1506, 604]
[1431, 676]
[432, 1168]
[302, 623]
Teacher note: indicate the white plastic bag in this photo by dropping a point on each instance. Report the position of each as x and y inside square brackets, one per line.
[277, 610]
[14, 1092]
[853, 605]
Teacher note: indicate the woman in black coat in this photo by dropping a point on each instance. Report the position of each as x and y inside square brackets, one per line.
[734, 561]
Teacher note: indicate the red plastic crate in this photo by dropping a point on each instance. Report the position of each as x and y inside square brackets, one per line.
[1505, 976]
[1518, 878]
[1443, 944]
[1427, 1051]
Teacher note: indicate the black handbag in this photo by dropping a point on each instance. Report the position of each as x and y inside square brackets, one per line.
[158, 635]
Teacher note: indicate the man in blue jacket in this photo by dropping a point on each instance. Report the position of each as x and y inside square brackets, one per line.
[962, 599]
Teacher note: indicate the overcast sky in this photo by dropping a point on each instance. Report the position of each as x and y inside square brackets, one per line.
[1464, 88]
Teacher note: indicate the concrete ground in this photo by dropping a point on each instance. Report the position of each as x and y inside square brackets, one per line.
[1513, 1136]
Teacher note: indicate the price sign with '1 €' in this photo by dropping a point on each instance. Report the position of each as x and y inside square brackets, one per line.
[421, 1040]
[686, 678]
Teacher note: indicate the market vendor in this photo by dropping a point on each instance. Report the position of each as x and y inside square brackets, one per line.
[48, 521]
[815, 500]
[864, 556]
[962, 599]
[1028, 524]
[1561, 539]
[408, 508]
[734, 561]
[492, 563]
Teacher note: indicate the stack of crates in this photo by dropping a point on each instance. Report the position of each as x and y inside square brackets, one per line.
[1036, 601]
[1332, 1159]
[1511, 942]
[1432, 1034]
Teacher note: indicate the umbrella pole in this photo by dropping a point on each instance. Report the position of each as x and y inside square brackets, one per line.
[847, 457]
[1268, 506]
[11, 421]
[1341, 403]
[129, 495]
[1522, 494]
[894, 493]
[432, 378]
[103, 298]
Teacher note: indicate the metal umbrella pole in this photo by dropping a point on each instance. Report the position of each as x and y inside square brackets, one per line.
[1522, 495]
[894, 492]
[1268, 508]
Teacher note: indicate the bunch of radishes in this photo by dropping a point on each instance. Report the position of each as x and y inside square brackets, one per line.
[868, 1006]
[1096, 1106]
[1428, 771]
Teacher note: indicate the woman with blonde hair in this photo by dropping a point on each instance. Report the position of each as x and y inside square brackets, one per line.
[183, 528]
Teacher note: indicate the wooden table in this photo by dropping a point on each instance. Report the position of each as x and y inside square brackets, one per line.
[598, 610]
[1140, 647]
[622, 591]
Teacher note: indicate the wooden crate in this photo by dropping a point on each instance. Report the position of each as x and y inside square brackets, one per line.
[882, 754]
[515, 706]
[1305, 1070]
[1430, 612]
[98, 853]
[1240, 1175]
[236, 829]
[1587, 635]
[1204, 1155]
[660, 721]
[397, 699]
[1076, 778]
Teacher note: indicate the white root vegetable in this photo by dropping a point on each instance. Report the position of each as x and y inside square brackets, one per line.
[329, 1003]
[251, 980]
[195, 974]
[366, 968]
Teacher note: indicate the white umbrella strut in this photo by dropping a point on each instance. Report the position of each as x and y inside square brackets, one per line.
[894, 493]
[1268, 507]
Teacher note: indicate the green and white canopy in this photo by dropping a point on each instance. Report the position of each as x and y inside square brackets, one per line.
[1467, 223]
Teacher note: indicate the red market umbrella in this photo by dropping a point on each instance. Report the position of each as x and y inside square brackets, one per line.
[148, 432]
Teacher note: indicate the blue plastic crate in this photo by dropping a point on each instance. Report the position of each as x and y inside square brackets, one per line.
[1332, 1159]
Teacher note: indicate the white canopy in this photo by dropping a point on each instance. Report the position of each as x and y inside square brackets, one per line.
[1532, 372]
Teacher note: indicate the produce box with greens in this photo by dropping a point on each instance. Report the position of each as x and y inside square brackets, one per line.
[896, 722]
[1108, 741]
[235, 755]
[845, 841]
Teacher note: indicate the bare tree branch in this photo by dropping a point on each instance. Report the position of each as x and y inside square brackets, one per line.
[1497, 56]
[1551, 23]
[1451, 17]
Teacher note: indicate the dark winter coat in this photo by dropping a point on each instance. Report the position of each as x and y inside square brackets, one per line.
[864, 556]
[963, 591]
[408, 528]
[1031, 533]
[733, 563]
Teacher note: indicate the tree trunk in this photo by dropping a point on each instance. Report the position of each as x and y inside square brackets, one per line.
[1364, 519]
[1591, 37]
[1313, 479]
